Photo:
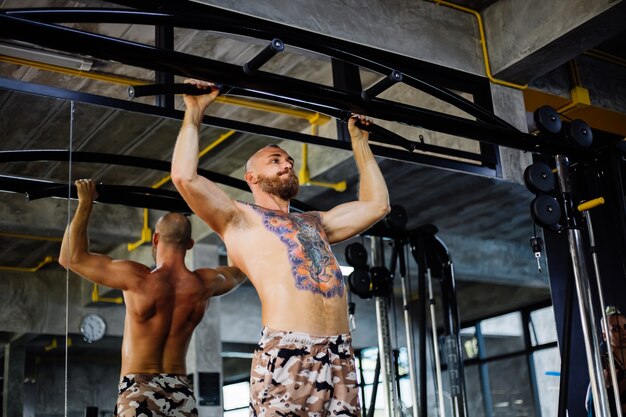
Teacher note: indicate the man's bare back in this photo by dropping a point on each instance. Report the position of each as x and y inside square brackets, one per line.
[161, 314]
[163, 307]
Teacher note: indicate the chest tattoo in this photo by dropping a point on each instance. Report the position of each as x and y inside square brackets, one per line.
[313, 266]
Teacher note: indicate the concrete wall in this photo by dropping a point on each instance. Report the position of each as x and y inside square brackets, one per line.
[418, 29]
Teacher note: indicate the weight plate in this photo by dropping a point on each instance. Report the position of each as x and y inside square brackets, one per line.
[356, 255]
[539, 178]
[547, 120]
[579, 133]
[360, 283]
[546, 211]
[397, 217]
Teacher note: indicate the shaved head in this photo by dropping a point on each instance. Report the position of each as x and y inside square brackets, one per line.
[174, 229]
[250, 163]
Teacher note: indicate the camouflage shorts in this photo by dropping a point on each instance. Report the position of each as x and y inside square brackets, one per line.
[155, 395]
[294, 374]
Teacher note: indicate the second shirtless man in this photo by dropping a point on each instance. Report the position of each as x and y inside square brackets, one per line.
[304, 363]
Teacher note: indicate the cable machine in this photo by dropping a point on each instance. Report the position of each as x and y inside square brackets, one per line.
[433, 261]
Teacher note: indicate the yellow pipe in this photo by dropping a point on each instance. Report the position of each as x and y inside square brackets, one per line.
[54, 344]
[483, 43]
[588, 205]
[95, 297]
[146, 232]
[30, 237]
[304, 177]
[69, 71]
[579, 95]
[607, 57]
[235, 101]
[47, 260]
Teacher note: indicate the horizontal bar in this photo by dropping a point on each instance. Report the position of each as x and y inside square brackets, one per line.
[125, 160]
[385, 152]
[269, 86]
[274, 47]
[382, 85]
[194, 16]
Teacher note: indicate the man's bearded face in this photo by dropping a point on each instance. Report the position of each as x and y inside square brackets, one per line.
[285, 186]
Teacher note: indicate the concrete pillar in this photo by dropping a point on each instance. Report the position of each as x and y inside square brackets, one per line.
[508, 104]
[204, 360]
[13, 387]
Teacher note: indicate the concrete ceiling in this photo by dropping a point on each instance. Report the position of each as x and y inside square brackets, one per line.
[485, 220]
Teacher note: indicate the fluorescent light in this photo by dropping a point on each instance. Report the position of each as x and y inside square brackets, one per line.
[45, 57]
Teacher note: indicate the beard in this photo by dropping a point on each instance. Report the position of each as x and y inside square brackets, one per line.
[284, 188]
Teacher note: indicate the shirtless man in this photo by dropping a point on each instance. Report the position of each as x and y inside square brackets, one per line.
[304, 362]
[163, 307]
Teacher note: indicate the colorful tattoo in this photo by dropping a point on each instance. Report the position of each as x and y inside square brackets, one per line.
[313, 265]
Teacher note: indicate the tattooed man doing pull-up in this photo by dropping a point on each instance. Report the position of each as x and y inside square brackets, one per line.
[304, 363]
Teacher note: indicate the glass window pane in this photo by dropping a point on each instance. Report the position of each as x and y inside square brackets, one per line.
[405, 392]
[474, 391]
[236, 395]
[502, 334]
[511, 389]
[542, 326]
[368, 362]
[547, 370]
[380, 398]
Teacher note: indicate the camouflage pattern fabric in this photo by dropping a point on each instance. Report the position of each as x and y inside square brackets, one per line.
[155, 395]
[294, 374]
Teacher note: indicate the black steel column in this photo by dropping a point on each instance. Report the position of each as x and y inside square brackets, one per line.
[345, 76]
[164, 38]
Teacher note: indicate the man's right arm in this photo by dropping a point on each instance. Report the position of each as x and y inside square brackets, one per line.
[221, 280]
[75, 254]
[203, 196]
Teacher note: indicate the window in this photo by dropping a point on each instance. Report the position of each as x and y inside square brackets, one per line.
[236, 399]
[502, 334]
[542, 326]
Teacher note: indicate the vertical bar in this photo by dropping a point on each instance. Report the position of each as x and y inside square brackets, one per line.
[587, 316]
[362, 384]
[384, 337]
[484, 372]
[408, 325]
[566, 343]
[605, 329]
[420, 250]
[433, 325]
[453, 339]
[164, 38]
[347, 77]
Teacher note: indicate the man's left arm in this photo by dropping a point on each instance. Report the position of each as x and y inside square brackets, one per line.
[349, 219]
[221, 280]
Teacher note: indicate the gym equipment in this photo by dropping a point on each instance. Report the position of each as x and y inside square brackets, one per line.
[274, 47]
[356, 256]
[579, 133]
[545, 211]
[538, 178]
[583, 290]
[547, 120]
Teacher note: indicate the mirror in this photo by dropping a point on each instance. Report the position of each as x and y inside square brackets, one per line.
[33, 311]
